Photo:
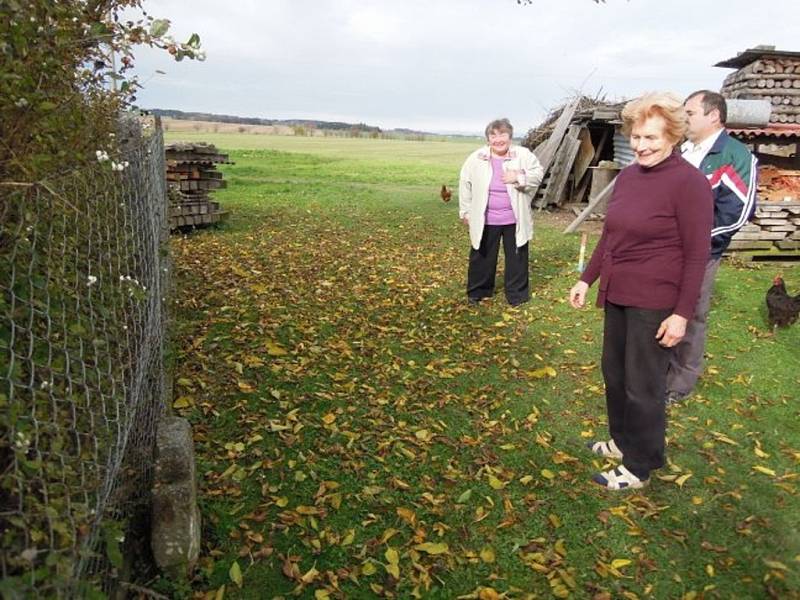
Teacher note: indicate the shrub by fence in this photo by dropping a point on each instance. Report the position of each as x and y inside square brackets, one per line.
[83, 278]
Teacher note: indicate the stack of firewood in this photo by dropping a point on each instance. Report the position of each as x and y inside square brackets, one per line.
[776, 80]
[191, 175]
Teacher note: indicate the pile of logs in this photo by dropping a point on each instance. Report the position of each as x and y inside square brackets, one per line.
[776, 80]
[191, 175]
[775, 227]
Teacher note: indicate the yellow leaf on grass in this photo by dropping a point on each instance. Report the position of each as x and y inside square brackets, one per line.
[368, 569]
[321, 594]
[423, 435]
[554, 520]
[407, 515]
[245, 387]
[274, 349]
[774, 564]
[183, 402]
[220, 593]
[525, 480]
[487, 555]
[307, 510]
[282, 502]
[488, 594]
[721, 437]
[618, 563]
[348, 539]
[760, 453]
[682, 479]
[543, 372]
[496, 483]
[329, 418]
[697, 500]
[548, 474]
[310, 575]
[388, 534]
[764, 470]
[235, 573]
[710, 570]
[464, 497]
[393, 560]
[433, 548]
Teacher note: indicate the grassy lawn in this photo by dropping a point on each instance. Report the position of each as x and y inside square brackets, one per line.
[361, 432]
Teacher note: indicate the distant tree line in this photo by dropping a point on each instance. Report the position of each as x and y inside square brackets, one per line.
[305, 123]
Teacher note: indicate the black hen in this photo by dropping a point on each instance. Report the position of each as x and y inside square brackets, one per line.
[782, 309]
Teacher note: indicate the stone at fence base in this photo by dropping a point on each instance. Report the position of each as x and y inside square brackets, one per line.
[175, 533]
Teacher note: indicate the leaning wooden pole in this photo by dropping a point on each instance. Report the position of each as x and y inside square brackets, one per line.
[589, 207]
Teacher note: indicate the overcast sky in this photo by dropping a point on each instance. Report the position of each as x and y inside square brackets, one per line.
[447, 65]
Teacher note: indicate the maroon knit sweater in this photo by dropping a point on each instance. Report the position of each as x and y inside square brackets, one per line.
[656, 239]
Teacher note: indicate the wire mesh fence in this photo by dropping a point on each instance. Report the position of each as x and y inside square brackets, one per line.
[83, 281]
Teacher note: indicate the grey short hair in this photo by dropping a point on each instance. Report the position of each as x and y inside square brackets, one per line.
[500, 125]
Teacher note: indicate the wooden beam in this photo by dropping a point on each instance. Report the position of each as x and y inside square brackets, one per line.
[562, 166]
[589, 207]
[554, 141]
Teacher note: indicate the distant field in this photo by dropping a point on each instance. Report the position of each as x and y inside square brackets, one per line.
[444, 152]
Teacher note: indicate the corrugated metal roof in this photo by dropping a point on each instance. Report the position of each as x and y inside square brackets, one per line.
[783, 131]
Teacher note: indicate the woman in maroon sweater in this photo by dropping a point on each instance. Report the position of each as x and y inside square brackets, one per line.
[650, 261]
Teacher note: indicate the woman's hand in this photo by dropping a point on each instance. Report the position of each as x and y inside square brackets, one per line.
[465, 220]
[577, 295]
[671, 330]
[511, 176]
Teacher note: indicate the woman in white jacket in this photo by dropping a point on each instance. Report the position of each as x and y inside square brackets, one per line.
[496, 187]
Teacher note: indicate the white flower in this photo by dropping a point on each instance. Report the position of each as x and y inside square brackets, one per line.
[21, 103]
[200, 55]
[91, 280]
[29, 554]
[22, 442]
[101, 155]
[44, 385]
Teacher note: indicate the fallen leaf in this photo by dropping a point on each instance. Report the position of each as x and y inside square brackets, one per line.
[235, 573]
[433, 548]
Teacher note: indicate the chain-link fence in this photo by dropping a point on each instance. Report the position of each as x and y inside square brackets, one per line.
[83, 274]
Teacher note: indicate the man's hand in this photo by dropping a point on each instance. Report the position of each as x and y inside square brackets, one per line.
[577, 295]
[671, 330]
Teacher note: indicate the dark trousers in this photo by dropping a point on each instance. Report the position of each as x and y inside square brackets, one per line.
[635, 371]
[483, 265]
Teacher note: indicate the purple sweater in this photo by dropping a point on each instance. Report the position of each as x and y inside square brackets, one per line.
[656, 239]
[498, 209]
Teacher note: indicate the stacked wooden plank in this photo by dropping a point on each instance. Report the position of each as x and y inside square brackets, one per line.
[192, 175]
[774, 228]
[774, 79]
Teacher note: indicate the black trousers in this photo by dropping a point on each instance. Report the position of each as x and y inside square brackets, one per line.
[483, 265]
[635, 372]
